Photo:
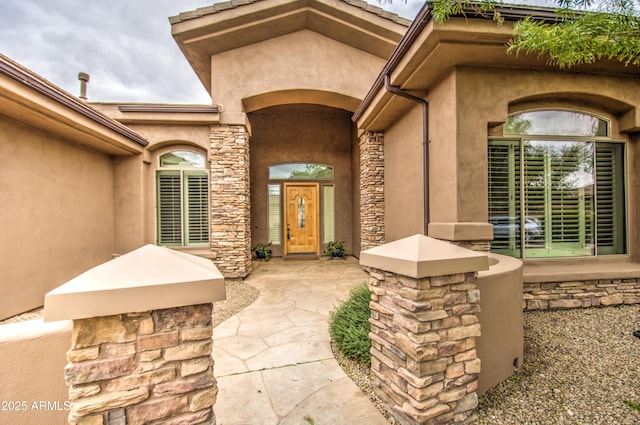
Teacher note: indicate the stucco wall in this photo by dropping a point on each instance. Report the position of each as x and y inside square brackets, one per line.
[136, 222]
[33, 390]
[301, 134]
[161, 135]
[442, 151]
[462, 105]
[130, 204]
[304, 60]
[501, 345]
[486, 95]
[58, 216]
[403, 176]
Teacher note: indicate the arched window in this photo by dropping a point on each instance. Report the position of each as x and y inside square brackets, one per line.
[186, 159]
[556, 186]
[182, 186]
[556, 123]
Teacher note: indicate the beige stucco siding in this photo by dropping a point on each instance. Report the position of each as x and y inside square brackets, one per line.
[463, 104]
[485, 95]
[488, 95]
[131, 204]
[33, 357]
[135, 179]
[443, 124]
[57, 215]
[304, 60]
[301, 134]
[161, 135]
[403, 189]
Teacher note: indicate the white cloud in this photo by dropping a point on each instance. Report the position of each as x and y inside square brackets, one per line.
[125, 45]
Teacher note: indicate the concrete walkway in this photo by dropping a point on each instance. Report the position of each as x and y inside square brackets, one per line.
[273, 360]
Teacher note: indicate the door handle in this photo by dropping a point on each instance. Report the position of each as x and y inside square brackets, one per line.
[288, 232]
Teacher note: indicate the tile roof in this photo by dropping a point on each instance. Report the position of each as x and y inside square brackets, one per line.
[219, 7]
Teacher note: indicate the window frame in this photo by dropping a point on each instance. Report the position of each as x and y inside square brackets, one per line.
[271, 213]
[273, 169]
[519, 202]
[184, 172]
[322, 183]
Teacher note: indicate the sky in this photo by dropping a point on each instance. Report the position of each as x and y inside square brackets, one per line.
[125, 46]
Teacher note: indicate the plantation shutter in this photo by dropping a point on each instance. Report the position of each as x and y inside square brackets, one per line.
[573, 187]
[504, 194]
[558, 189]
[536, 188]
[563, 204]
[273, 214]
[197, 225]
[169, 208]
[610, 198]
[328, 219]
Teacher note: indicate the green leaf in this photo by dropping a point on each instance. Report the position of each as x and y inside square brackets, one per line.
[585, 31]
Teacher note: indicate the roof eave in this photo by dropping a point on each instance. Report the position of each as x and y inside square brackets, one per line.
[161, 113]
[205, 32]
[378, 102]
[35, 83]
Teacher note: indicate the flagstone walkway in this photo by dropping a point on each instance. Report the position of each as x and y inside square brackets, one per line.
[273, 360]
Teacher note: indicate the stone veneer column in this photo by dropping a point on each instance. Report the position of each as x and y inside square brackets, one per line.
[230, 200]
[424, 328]
[372, 189]
[138, 368]
[142, 339]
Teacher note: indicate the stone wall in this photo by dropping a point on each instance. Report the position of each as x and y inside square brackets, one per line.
[230, 200]
[484, 246]
[151, 367]
[590, 293]
[371, 189]
[423, 336]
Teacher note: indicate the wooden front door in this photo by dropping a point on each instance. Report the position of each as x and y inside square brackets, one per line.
[301, 218]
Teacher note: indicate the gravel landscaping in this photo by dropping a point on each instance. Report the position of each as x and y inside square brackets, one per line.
[580, 367]
[239, 295]
[29, 315]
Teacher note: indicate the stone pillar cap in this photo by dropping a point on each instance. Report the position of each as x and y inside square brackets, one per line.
[420, 256]
[149, 278]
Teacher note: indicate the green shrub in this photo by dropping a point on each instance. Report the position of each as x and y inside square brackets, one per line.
[335, 249]
[349, 325]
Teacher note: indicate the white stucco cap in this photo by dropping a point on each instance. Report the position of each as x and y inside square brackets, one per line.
[149, 278]
[420, 256]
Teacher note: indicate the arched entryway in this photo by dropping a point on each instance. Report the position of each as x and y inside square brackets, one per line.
[299, 212]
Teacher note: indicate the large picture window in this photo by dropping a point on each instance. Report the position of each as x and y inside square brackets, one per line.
[182, 200]
[558, 189]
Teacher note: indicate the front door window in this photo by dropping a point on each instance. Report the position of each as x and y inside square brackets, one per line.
[302, 214]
